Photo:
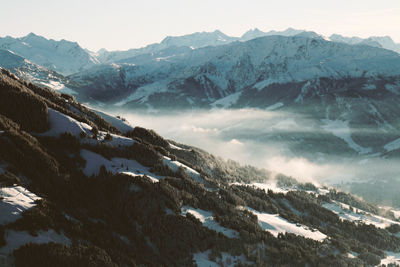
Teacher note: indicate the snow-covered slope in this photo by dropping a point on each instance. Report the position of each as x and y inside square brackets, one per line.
[61, 123]
[207, 219]
[62, 56]
[120, 123]
[32, 72]
[345, 212]
[275, 224]
[13, 201]
[115, 165]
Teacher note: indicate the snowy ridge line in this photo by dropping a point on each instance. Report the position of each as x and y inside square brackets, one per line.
[61, 123]
[119, 123]
[175, 165]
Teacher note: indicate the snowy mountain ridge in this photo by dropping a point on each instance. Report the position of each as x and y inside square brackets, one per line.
[67, 57]
[210, 73]
[63, 56]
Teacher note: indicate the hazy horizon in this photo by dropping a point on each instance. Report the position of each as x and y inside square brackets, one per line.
[121, 25]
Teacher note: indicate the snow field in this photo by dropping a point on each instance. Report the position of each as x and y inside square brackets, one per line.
[61, 123]
[275, 224]
[122, 125]
[13, 202]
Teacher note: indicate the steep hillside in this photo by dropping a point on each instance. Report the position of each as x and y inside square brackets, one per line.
[75, 192]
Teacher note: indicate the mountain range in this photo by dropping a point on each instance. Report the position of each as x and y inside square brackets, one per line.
[66, 57]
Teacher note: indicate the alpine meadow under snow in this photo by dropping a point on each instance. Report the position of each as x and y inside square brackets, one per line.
[277, 148]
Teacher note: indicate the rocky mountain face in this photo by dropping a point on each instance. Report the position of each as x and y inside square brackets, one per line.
[184, 77]
[77, 189]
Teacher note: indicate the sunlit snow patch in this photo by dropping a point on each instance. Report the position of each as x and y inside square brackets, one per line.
[116, 165]
[61, 123]
[207, 219]
[275, 224]
[175, 147]
[121, 124]
[391, 257]
[116, 140]
[14, 201]
[175, 165]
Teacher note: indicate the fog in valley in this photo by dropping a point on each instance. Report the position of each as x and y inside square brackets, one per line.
[277, 141]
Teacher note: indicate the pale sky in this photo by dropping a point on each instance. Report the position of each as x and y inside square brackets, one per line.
[124, 24]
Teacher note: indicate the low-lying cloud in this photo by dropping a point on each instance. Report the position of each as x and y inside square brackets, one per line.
[243, 135]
